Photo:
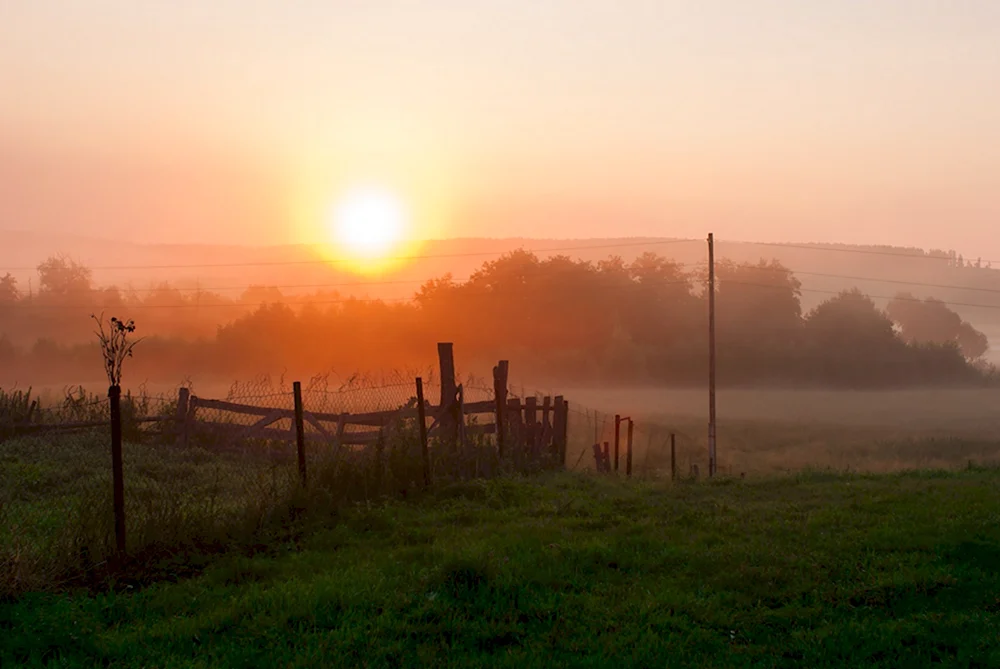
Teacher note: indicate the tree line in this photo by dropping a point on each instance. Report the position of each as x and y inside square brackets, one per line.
[612, 321]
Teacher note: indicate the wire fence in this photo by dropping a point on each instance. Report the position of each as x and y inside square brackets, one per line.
[217, 472]
[214, 472]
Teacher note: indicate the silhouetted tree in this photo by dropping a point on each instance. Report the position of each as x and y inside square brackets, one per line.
[8, 289]
[850, 340]
[258, 295]
[932, 321]
[62, 276]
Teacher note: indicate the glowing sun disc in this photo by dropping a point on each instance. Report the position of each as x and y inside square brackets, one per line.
[369, 222]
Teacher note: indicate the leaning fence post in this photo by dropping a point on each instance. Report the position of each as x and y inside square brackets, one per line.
[628, 454]
[449, 418]
[422, 425]
[560, 423]
[118, 477]
[300, 431]
[598, 458]
[618, 425]
[673, 456]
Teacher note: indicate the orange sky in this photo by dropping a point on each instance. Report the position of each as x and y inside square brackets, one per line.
[242, 120]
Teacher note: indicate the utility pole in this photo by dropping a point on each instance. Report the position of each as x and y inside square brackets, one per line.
[711, 355]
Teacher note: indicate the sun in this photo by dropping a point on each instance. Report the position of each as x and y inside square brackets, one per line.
[368, 223]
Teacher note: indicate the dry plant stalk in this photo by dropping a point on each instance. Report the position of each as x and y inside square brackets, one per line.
[115, 345]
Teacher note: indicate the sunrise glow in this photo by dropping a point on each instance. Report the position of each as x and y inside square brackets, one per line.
[367, 228]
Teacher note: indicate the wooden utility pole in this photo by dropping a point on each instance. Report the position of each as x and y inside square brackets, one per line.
[711, 355]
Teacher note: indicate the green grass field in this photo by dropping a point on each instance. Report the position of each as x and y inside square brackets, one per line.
[817, 570]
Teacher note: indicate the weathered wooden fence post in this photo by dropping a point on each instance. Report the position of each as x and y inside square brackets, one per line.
[531, 425]
[673, 456]
[300, 431]
[448, 420]
[560, 424]
[607, 458]
[463, 447]
[598, 458]
[516, 426]
[422, 426]
[500, 373]
[545, 427]
[628, 454]
[117, 469]
[180, 416]
[618, 426]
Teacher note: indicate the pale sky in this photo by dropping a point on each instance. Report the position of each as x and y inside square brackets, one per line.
[872, 121]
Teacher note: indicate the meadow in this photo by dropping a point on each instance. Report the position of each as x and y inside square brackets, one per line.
[768, 431]
[817, 570]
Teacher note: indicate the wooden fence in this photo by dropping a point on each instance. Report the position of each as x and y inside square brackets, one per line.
[530, 424]
[531, 427]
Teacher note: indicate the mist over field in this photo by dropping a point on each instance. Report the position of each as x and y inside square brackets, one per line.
[499, 334]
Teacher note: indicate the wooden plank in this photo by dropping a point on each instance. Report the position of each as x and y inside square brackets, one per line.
[264, 421]
[545, 429]
[371, 418]
[516, 426]
[233, 407]
[275, 434]
[470, 408]
[531, 425]
[316, 424]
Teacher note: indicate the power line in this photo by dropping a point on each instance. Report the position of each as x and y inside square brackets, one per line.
[876, 297]
[467, 291]
[872, 278]
[334, 261]
[806, 247]
[166, 287]
[347, 300]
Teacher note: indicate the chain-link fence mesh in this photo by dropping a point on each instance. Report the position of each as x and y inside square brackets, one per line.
[56, 512]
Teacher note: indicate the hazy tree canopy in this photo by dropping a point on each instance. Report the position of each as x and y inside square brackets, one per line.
[930, 321]
[8, 289]
[65, 277]
[851, 319]
[570, 320]
[257, 295]
[758, 304]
